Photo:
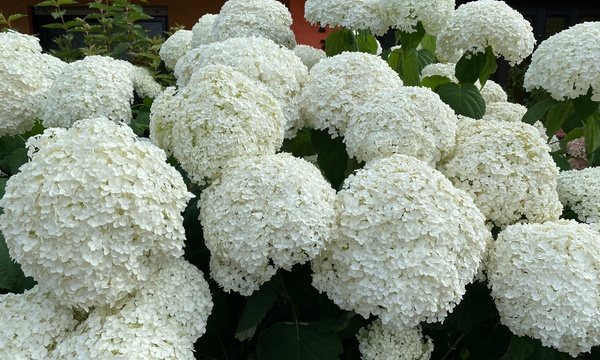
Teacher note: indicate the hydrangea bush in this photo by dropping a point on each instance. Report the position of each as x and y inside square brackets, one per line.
[275, 201]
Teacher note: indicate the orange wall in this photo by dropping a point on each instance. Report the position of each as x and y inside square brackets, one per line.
[183, 12]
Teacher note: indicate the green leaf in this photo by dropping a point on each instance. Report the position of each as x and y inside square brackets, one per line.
[297, 342]
[556, 116]
[584, 105]
[332, 156]
[464, 99]
[538, 111]
[433, 82]
[54, 26]
[591, 131]
[11, 275]
[338, 41]
[410, 68]
[425, 58]
[65, 2]
[366, 42]
[17, 158]
[520, 348]
[119, 49]
[413, 39]
[429, 43]
[300, 145]
[14, 17]
[560, 162]
[57, 14]
[572, 135]
[257, 307]
[46, 3]
[473, 67]
[394, 60]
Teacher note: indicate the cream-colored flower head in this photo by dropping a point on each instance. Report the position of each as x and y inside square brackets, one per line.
[202, 30]
[507, 168]
[504, 111]
[405, 14]
[92, 210]
[97, 86]
[26, 75]
[580, 190]
[478, 24]
[408, 243]
[351, 14]
[337, 85]
[260, 59]
[544, 281]
[265, 213]
[440, 69]
[243, 18]
[567, 79]
[309, 55]
[386, 342]
[220, 115]
[32, 324]
[404, 120]
[492, 92]
[175, 47]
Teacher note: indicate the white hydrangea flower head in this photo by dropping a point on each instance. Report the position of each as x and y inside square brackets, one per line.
[386, 342]
[220, 115]
[507, 168]
[265, 213]
[553, 142]
[27, 75]
[405, 14]
[202, 30]
[478, 24]
[32, 324]
[92, 210]
[408, 243]
[354, 14]
[175, 47]
[144, 84]
[504, 111]
[440, 69]
[243, 18]
[492, 92]
[97, 86]
[544, 281]
[309, 55]
[337, 85]
[579, 190]
[260, 59]
[567, 79]
[404, 120]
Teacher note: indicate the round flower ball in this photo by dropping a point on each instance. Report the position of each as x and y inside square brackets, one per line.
[544, 281]
[478, 24]
[492, 92]
[220, 115]
[27, 75]
[266, 18]
[262, 214]
[309, 55]
[404, 15]
[504, 111]
[408, 243]
[97, 86]
[405, 120]
[507, 168]
[580, 191]
[260, 59]
[351, 14]
[175, 47]
[567, 79]
[337, 85]
[386, 342]
[91, 212]
[202, 30]
[32, 324]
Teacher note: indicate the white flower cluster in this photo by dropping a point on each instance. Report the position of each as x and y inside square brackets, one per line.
[92, 210]
[544, 280]
[492, 92]
[244, 18]
[567, 79]
[161, 320]
[405, 120]
[309, 55]
[351, 14]
[220, 115]
[507, 168]
[337, 85]
[478, 24]
[32, 324]
[265, 213]
[386, 342]
[580, 190]
[440, 69]
[97, 86]
[175, 47]
[26, 75]
[405, 14]
[260, 59]
[202, 30]
[504, 111]
[408, 243]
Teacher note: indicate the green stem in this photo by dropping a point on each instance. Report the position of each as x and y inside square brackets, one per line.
[453, 346]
